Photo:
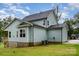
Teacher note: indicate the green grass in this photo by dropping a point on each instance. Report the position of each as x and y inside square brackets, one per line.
[48, 50]
[1, 45]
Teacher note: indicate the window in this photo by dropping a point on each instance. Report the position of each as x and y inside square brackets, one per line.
[17, 34]
[22, 33]
[47, 22]
[44, 22]
[9, 34]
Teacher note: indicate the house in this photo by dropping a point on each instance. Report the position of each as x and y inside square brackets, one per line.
[35, 29]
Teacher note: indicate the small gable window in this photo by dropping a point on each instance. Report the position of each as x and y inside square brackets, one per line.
[44, 22]
[22, 33]
[9, 34]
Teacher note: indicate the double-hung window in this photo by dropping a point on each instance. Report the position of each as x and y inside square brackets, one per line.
[22, 33]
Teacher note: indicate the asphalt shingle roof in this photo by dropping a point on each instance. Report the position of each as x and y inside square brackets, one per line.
[58, 26]
[38, 16]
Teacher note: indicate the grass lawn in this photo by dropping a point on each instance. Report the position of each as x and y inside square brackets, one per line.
[48, 50]
[1, 45]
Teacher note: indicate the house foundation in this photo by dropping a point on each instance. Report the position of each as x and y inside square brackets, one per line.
[12, 44]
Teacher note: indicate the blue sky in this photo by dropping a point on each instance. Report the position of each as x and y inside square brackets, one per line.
[25, 9]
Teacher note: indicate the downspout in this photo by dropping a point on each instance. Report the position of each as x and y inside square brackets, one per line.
[61, 35]
[47, 29]
[33, 34]
[47, 33]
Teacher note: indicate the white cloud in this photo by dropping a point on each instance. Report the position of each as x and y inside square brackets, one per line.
[64, 15]
[3, 16]
[70, 7]
[28, 8]
[75, 5]
[66, 9]
[22, 11]
[53, 4]
[64, 12]
[12, 10]
[2, 12]
[15, 10]
[8, 4]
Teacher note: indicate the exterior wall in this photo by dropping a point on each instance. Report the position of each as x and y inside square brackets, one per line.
[64, 34]
[56, 34]
[39, 35]
[13, 29]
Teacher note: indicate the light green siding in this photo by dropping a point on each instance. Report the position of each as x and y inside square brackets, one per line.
[39, 22]
[31, 34]
[64, 34]
[56, 34]
[39, 34]
[52, 20]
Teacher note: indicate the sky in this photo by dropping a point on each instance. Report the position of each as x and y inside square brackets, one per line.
[20, 10]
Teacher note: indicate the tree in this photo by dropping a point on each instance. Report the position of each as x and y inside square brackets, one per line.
[3, 24]
[76, 16]
[70, 28]
[1, 30]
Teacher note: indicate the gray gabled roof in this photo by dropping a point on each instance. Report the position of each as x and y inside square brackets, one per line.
[38, 16]
[13, 21]
[58, 26]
